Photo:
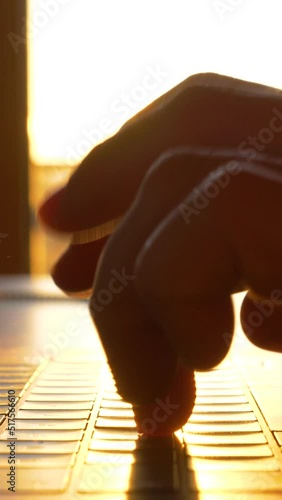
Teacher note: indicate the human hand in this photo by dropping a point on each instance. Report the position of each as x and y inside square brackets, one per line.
[173, 274]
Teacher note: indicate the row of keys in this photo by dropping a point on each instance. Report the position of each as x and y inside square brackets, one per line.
[223, 430]
[16, 378]
[222, 434]
[50, 426]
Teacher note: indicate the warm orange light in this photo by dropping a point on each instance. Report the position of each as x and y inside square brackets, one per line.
[94, 64]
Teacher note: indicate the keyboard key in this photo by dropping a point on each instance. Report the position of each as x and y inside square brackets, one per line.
[40, 481]
[225, 439]
[61, 390]
[16, 387]
[222, 377]
[66, 367]
[4, 401]
[207, 385]
[115, 423]
[13, 378]
[119, 434]
[59, 377]
[111, 396]
[97, 457]
[223, 417]
[240, 451]
[222, 427]
[49, 447]
[218, 378]
[222, 408]
[37, 460]
[240, 482]
[233, 464]
[52, 414]
[215, 400]
[115, 404]
[12, 384]
[45, 435]
[67, 383]
[116, 413]
[61, 397]
[16, 368]
[217, 372]
[219, 392]
[50, 424]
[58, 405]
[115, 445]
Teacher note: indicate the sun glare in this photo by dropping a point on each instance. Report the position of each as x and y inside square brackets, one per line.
[94, 64]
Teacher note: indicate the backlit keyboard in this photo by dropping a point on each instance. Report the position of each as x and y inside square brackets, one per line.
[75, 434]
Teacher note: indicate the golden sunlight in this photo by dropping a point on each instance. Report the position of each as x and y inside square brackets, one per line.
[94, 64]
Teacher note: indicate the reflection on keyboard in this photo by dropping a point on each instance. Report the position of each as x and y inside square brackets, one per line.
[75, 433]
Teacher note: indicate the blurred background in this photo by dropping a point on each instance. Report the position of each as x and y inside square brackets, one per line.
[75, 71]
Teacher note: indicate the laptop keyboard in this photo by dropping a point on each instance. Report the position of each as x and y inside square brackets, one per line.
[13, 378]
[75, 434]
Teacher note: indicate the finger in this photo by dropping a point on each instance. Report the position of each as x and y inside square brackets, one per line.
[206, 110]
[162, 418]
[261, 319]
[141, 357]
[192, 262]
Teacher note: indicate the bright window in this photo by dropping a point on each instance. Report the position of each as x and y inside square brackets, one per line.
[88, 60]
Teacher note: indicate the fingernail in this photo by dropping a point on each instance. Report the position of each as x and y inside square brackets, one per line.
[167, 414]
[49, 210]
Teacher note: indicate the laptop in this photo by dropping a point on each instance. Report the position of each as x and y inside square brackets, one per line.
[65, 433]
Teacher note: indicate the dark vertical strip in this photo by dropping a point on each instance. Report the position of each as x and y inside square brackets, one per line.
[14, 207]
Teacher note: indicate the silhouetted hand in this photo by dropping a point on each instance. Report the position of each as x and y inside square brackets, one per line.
[200, 192]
